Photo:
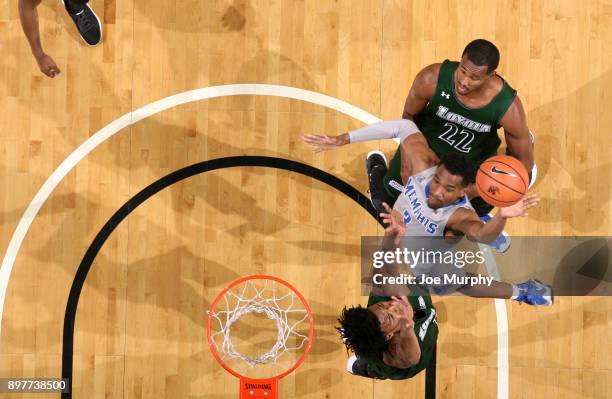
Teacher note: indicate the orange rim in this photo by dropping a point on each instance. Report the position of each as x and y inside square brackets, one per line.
[260, 277]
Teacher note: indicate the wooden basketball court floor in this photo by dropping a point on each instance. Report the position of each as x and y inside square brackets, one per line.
[140, 325]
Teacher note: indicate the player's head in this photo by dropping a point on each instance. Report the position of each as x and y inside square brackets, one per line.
[478, 63]
[453, 174]
[365, 331]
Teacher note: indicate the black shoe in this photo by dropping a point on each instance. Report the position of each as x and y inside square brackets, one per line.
[87, 23]
[376, 166]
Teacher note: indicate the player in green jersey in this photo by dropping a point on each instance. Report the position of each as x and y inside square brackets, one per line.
[394, 337]
[458, 106]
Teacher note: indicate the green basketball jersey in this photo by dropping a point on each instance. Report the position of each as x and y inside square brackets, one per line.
[450, 126]
[426, 330]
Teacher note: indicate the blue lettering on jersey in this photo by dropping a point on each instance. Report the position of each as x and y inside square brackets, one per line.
[421, 219]
[416, 206]
[409, 186]
[407, 217]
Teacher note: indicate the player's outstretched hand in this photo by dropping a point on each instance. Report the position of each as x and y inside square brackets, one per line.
[521, 207]
[324, 143]
[404, 306]
[395, 223]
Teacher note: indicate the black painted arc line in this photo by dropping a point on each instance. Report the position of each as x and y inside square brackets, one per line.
[430, 375]
[157, 186]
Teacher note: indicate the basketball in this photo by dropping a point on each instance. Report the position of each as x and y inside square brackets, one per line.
[502, 180]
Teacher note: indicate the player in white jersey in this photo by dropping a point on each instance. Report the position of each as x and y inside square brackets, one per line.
[434, 203]
[446, 181]
[419, 218]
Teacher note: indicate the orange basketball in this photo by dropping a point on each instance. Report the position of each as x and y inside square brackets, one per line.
[502, 180]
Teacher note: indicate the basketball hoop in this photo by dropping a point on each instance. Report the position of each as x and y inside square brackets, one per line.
[263, 300]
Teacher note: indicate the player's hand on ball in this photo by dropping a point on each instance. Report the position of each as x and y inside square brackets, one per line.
[521, 207]
[395, 223]
[324, 143]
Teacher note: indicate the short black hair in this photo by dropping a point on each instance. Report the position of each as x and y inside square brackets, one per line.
[482, 52]
[360, 331]
[459, 165]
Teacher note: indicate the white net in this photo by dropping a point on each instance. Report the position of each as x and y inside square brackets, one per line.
[271, 302]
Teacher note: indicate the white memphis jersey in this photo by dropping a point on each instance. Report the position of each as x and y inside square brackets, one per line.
[419, 218]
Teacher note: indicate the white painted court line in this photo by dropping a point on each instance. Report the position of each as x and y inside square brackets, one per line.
[201, 94]
[503, 371]
[132, 117]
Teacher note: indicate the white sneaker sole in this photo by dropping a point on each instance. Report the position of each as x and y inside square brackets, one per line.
[379, 153]
[349, 363]
[548, 297]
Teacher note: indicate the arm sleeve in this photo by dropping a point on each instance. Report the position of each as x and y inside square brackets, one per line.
[400, 128]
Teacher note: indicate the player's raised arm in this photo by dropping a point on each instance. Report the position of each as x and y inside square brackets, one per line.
[467, 222]
[423, 88]
[392, 129]
[418, 156]
[404, 350]
[517, 134]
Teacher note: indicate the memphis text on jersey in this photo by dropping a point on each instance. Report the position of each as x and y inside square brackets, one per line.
[415, 204]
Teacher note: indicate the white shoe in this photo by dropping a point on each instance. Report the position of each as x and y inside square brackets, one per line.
[349, 363]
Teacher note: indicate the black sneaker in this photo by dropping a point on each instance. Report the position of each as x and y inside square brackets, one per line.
[88, 24]
[376, 166]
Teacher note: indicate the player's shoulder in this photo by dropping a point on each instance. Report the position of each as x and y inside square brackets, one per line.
[426, 81]
[429, 74]
[517, 103]
[514, 113]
